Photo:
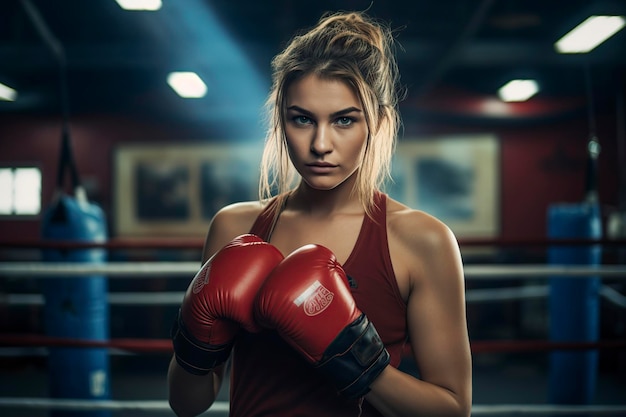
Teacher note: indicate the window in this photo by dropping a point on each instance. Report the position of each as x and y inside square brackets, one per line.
[20, 191]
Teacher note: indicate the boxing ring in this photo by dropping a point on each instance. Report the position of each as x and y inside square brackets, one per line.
[533, 276]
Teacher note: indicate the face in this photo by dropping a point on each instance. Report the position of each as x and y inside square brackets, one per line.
[326, 130]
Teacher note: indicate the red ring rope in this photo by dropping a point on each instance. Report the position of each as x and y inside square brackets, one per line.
[165, 345]
[132, 345]
[197, 243]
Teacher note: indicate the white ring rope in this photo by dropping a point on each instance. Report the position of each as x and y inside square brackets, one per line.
[175, 297]
[483, 295]
[223, 406]
[111, 269]
[541, 409]
[74, 404]
[115, 298]
[189, 269]
[541, 271]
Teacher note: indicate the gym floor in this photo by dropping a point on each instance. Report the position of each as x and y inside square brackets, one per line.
[512, 378]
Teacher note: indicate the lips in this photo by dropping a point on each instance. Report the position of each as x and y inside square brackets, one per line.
[321, 167]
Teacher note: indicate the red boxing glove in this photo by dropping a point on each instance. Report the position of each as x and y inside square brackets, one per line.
[219, 300]
[307, 300]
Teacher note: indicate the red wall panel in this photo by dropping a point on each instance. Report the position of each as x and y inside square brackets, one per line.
[540, 165]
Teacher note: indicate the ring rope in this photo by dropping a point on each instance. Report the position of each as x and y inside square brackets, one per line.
[534, 291]
[125, 344]
[162, 298]
[77, 404]
[165, 345]
[224, 406]
[187, 269]
[197, 243]
[545, 271]
[482, 295]
[541, 409]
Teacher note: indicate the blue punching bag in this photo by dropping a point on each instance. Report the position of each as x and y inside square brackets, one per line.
[574, 301]
[76, 307]
[574, 304]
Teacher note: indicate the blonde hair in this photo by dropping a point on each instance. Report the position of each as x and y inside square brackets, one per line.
[353, 48]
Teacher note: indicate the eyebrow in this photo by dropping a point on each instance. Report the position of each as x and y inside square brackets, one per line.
[332, 115]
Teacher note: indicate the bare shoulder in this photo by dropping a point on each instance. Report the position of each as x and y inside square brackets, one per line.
[423, 249]
[229, 222]
[417, 229]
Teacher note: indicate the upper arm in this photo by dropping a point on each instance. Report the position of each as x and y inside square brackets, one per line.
[436, 314]
[191, 394]
[230, 222]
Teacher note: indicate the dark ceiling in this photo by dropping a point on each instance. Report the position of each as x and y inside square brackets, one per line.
[454, 56]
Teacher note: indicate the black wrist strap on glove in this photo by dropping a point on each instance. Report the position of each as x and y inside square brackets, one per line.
[355, 358]
[196, 357]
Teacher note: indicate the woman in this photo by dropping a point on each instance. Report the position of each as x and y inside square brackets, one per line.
[333, 122]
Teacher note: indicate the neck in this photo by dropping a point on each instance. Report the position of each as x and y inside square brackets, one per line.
[340, 199]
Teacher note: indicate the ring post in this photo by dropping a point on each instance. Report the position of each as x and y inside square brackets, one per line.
[574, 303]
[77, 307]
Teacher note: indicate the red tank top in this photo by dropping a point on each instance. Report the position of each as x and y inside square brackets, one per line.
[269, 378]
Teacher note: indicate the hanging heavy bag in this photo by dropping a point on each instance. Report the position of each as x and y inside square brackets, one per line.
[574, 305]
[76, 307]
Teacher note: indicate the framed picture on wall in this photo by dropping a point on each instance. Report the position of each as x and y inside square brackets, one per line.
[454, 178]
[174, 190]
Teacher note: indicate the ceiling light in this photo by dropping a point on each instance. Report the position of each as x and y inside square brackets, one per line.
[149, 5]
[589, 34]
[7, 93]
[518, 90]
[187, 84]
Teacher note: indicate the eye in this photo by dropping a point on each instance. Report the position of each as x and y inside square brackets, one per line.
[344, 121]
[301, 120]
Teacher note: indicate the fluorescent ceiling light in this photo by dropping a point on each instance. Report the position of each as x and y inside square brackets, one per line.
[187, 84]
[589, 34]
[7, 93]
[518, 90]
[149, 5]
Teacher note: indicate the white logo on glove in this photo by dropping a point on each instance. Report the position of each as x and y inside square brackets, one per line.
[201, 279]
[316, 299]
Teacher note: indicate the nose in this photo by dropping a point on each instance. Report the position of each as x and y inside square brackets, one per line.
[321, 143]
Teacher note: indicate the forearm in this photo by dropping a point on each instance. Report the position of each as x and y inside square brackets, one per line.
[396, 394]
[190, 395]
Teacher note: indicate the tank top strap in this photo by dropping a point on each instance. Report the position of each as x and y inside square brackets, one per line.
[373, 231]
[264, 223]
